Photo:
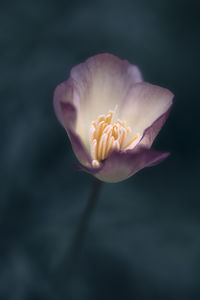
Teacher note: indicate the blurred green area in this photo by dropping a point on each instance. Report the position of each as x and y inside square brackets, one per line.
[143, 240]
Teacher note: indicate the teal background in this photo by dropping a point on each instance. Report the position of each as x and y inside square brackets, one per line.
[143, 240]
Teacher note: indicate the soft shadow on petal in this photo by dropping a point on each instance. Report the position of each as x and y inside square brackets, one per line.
[62, 94]
[144, 104]
[152, 131]
[120, 165]
[67, 114]
[79, 148]
[102, 82]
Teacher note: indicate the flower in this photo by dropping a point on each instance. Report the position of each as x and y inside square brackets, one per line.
[112, 117]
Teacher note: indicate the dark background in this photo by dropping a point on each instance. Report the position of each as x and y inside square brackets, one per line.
[143, 240]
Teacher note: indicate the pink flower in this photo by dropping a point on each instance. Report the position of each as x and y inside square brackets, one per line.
[112, 117]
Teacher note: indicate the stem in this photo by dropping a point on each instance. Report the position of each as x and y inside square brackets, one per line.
[84, 221]
[67, 266]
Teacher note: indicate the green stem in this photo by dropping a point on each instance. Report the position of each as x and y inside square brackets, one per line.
[84, 221]
[68, 265]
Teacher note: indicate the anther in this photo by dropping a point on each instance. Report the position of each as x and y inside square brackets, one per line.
[105, 137]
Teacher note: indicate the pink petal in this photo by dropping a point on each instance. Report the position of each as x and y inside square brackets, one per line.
[63, 94]
[102, 82]
[122, 165]
[144, 104]
[66, 113]
[152, 131]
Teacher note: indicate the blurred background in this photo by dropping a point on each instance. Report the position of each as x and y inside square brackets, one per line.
[143, 240]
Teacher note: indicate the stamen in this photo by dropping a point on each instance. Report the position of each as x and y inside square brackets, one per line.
[105, 137]
[95, 163]
[131, 142]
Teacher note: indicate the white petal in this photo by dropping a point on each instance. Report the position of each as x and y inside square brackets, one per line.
[100, 83]
[144, 104]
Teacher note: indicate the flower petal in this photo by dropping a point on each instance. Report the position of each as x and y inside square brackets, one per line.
[96, 87]
[152, 131]
[101, 83]
[144, 104]
[122, 165]
[66, 113]
[63, 94]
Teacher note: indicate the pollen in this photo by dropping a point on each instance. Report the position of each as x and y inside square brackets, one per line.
[106, 136]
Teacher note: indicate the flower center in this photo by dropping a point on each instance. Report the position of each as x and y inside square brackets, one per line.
[105, 137]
